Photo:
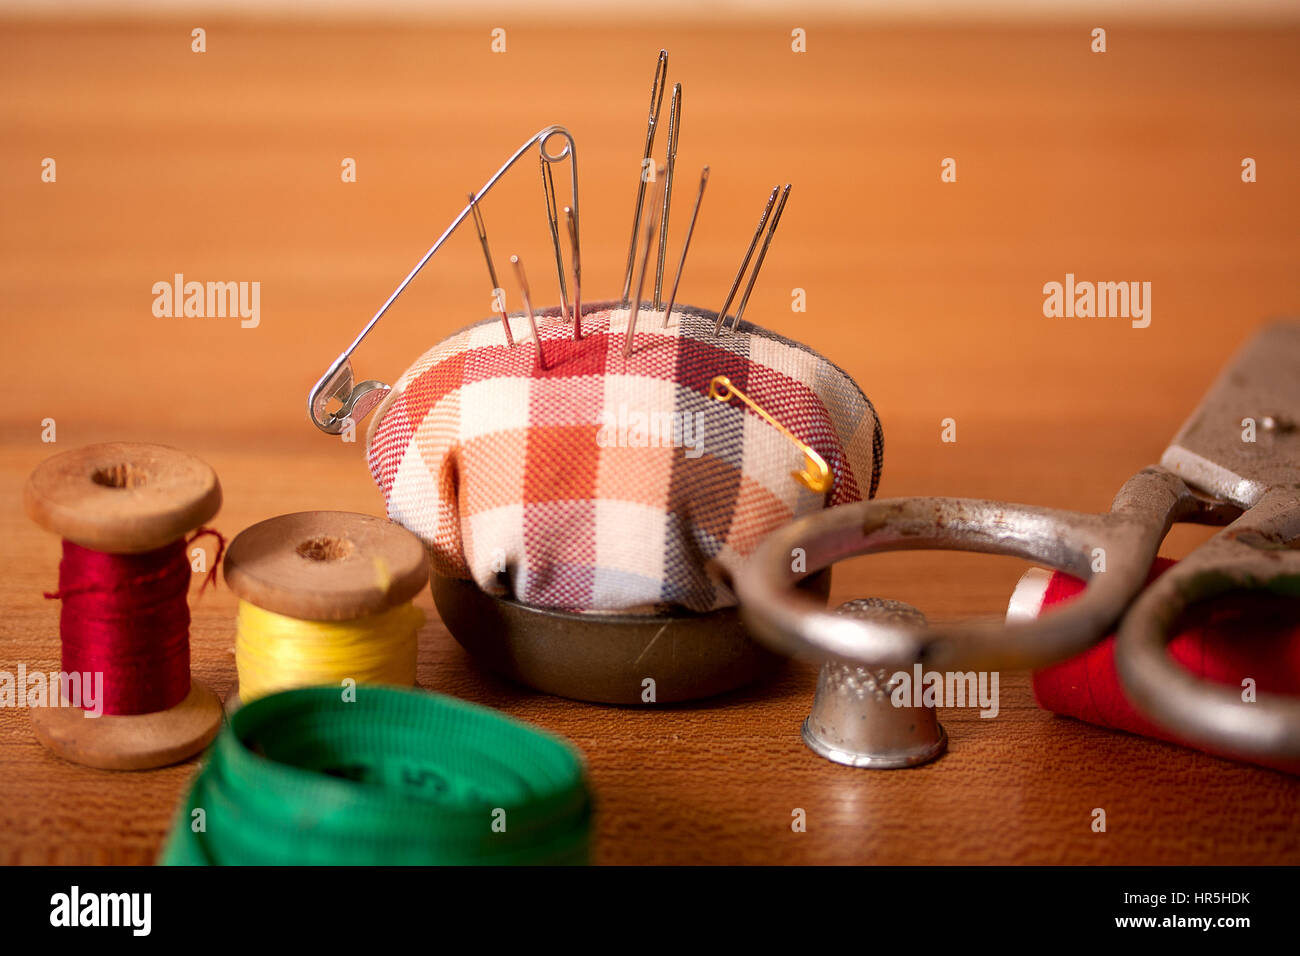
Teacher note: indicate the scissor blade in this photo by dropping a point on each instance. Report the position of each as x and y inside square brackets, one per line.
[1256, 397]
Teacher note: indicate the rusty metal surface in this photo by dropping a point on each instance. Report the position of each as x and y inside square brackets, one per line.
[1256, 552]
[1236, 462]
[1261, 386]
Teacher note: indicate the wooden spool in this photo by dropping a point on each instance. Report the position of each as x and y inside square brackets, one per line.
[126, 498]
[321, 566]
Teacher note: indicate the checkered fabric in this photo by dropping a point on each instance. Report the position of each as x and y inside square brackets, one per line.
[600, 483]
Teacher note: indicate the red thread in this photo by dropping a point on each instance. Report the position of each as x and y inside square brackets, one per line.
[1226, 639]
[126, 615]
[211, 576]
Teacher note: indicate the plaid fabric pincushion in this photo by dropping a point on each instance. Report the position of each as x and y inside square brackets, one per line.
[612, 484]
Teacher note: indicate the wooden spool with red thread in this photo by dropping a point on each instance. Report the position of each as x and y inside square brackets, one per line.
[126, 499]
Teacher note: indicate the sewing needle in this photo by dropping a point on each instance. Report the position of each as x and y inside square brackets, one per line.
[656, 104]
[498, 293]
[528, 307]
[572, 223]
[758, 263]
[548, 187]
[762, 221]
[651, 223]
[674, 131]
[690, 231]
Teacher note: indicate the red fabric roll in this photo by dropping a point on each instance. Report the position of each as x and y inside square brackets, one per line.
[1231, 638]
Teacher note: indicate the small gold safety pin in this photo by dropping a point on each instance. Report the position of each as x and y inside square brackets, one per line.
[816, 474]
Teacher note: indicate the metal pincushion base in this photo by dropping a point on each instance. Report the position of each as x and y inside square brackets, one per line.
[607, 658]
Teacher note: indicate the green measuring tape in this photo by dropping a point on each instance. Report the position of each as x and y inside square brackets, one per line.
[397, 776]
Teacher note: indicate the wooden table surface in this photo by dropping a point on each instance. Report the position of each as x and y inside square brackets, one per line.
[225, 165]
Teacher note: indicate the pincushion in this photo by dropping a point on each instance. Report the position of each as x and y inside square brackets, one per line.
[582, 480]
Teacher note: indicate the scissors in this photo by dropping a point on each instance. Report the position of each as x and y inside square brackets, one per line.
[1235, 463]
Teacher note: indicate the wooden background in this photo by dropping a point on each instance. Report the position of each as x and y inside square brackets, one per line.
[226, 166]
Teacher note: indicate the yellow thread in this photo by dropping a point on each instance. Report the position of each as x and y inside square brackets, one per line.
[276, 652]
[383, 577]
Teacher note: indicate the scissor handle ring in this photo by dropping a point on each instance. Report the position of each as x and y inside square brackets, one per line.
[1242, 557]
[1130, 534]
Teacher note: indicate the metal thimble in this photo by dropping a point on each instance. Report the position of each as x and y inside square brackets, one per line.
[853, 719]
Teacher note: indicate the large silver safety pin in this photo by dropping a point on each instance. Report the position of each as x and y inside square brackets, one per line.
[356, 401]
